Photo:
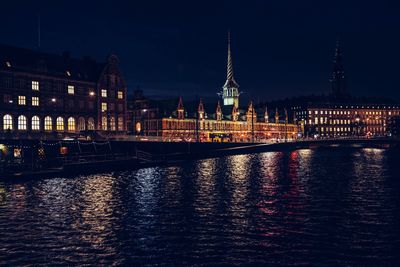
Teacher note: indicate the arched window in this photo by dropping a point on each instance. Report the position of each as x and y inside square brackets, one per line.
[35, 123]
[120, 123]
[104, 123]
[71, 124]
[48, 123]
[7, 122]
[81, 124]
[112, 123]
[91, 124]
[60, 124]
[22, 122]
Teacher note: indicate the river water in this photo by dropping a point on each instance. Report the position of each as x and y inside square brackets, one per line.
[329, 207]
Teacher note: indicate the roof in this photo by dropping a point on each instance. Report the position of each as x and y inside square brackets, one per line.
[62, 66]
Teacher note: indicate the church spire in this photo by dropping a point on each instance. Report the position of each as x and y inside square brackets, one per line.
[338, 80]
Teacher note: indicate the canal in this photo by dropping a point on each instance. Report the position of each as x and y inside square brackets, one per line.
[327, 206]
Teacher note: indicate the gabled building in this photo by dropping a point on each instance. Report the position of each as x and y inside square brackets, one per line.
[55, 96]
[208, 123]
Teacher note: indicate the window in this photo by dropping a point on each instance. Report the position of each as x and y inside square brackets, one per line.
[35, 85]
[71, 124]
[7, 122]
[120, 95]
[48, 123]
[35, 101]
[22, 122]
[120, 123]
[120, 107]
[91, 124]
[91, 105]
[21, 100]
[103, 106]
[81, 124]
[35, 123]
[60, 124]
[8, 99]
[71, 89]
[112, 123]
[112, 106]
[104, 123]
[103, 92]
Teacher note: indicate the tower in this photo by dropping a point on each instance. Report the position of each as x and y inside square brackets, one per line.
[230, 90]
[218, 112]
[266, 117]
[338, 80]
[276, 116]
[235, 113]
[180, 110]
[200, 110]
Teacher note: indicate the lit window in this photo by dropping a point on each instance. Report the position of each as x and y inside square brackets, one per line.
[112, 123]
[104, 123]
[71, 124]
[35, 123]
[81, 124]
[60, 124]
[48, 123]
[35, 85]
[90, 124]
[103, 106]
[22, 122]
[103, 93]
[7, 122]
[21, 100]
[71, 89]
[120, 95]
[120, 123]
[35, 101]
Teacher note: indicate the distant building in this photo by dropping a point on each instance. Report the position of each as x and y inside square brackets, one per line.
[340, 114]
[345, 119]
[55, 96]
[230, 91]
[205, 125]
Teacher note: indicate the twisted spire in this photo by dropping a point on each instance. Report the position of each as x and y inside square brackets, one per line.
[230, 80]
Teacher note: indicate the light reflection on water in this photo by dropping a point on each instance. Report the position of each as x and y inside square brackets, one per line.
[304, 207]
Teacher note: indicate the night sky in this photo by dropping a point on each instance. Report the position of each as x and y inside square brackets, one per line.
[280, 48]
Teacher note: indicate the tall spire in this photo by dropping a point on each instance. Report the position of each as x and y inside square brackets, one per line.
[338, 80]
[230, 91]
[230, 80]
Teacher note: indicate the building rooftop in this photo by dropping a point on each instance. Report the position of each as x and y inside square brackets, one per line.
[37, 62]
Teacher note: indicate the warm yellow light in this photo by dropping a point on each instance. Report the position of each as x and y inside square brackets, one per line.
[91, 93]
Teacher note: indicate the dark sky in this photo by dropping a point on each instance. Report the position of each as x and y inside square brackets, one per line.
[280, 48]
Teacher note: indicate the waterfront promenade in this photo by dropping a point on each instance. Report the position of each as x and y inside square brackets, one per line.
[75, 157]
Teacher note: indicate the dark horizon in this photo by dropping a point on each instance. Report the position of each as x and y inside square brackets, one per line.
[279, 49]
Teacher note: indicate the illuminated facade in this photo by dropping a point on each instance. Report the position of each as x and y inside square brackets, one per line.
[335, 120]
[57, 96]
[215, 126]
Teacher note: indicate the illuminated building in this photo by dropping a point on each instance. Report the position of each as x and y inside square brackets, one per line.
[334, 119]
[54, 96]
[341, 114]
[212, 125]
